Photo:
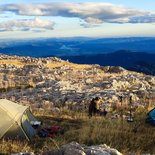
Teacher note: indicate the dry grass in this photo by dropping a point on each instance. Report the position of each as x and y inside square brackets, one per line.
[55, 64]
[135, 137]
[72, 65]
[80, 66]
[12, 62]
[18, 63]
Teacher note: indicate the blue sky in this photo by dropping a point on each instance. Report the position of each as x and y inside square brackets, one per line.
[59, 18]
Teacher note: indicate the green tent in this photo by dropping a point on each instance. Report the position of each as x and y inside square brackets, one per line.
[15, 120]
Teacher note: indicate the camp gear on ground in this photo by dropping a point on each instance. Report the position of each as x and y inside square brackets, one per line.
[51, 131]
[43, 133]
[103, 112]
[35, 124]
[130, 119]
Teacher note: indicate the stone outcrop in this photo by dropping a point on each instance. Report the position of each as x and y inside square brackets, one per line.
[32, 81]
[75, 148]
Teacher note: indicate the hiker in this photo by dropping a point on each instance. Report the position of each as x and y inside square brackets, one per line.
[94, 107]
[97, 105]
[91, 107]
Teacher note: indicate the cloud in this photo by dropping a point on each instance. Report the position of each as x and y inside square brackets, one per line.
[150, 18]
[26, 25]
[91, 13]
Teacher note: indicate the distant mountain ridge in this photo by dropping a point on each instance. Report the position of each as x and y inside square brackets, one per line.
[135, 61]
[134, 53]
[75, 46]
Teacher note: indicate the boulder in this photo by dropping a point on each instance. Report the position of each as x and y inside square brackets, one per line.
[75, 148]
[102, 150]
[113, 69]
[55, 110]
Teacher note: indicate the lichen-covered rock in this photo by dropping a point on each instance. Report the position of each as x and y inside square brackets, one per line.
[113, 69]
[75, 148]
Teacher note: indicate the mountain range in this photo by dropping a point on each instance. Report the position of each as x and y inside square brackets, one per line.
[135, 53]
[45, 47]
[135, 61]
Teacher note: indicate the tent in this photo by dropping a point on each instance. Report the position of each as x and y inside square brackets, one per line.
[15, 120]
[151, 117]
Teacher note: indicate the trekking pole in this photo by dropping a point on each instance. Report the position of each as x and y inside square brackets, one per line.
[130, 107]
[130, 119]
[121, 100]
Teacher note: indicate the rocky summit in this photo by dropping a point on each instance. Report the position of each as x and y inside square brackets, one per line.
[51, 83]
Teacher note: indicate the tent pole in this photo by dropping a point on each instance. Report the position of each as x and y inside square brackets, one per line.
[24, 133]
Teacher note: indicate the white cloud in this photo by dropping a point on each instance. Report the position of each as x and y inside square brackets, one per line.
[26, 25]
[91, 13]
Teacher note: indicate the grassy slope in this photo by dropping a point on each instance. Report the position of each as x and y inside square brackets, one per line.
[98, 130]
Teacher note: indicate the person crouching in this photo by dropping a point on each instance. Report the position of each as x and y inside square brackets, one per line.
[94, 106]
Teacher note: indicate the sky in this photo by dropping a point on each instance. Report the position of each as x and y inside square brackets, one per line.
[60, 18]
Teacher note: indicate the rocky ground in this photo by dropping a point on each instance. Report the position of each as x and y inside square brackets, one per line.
[77, 149]
[52, 82]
